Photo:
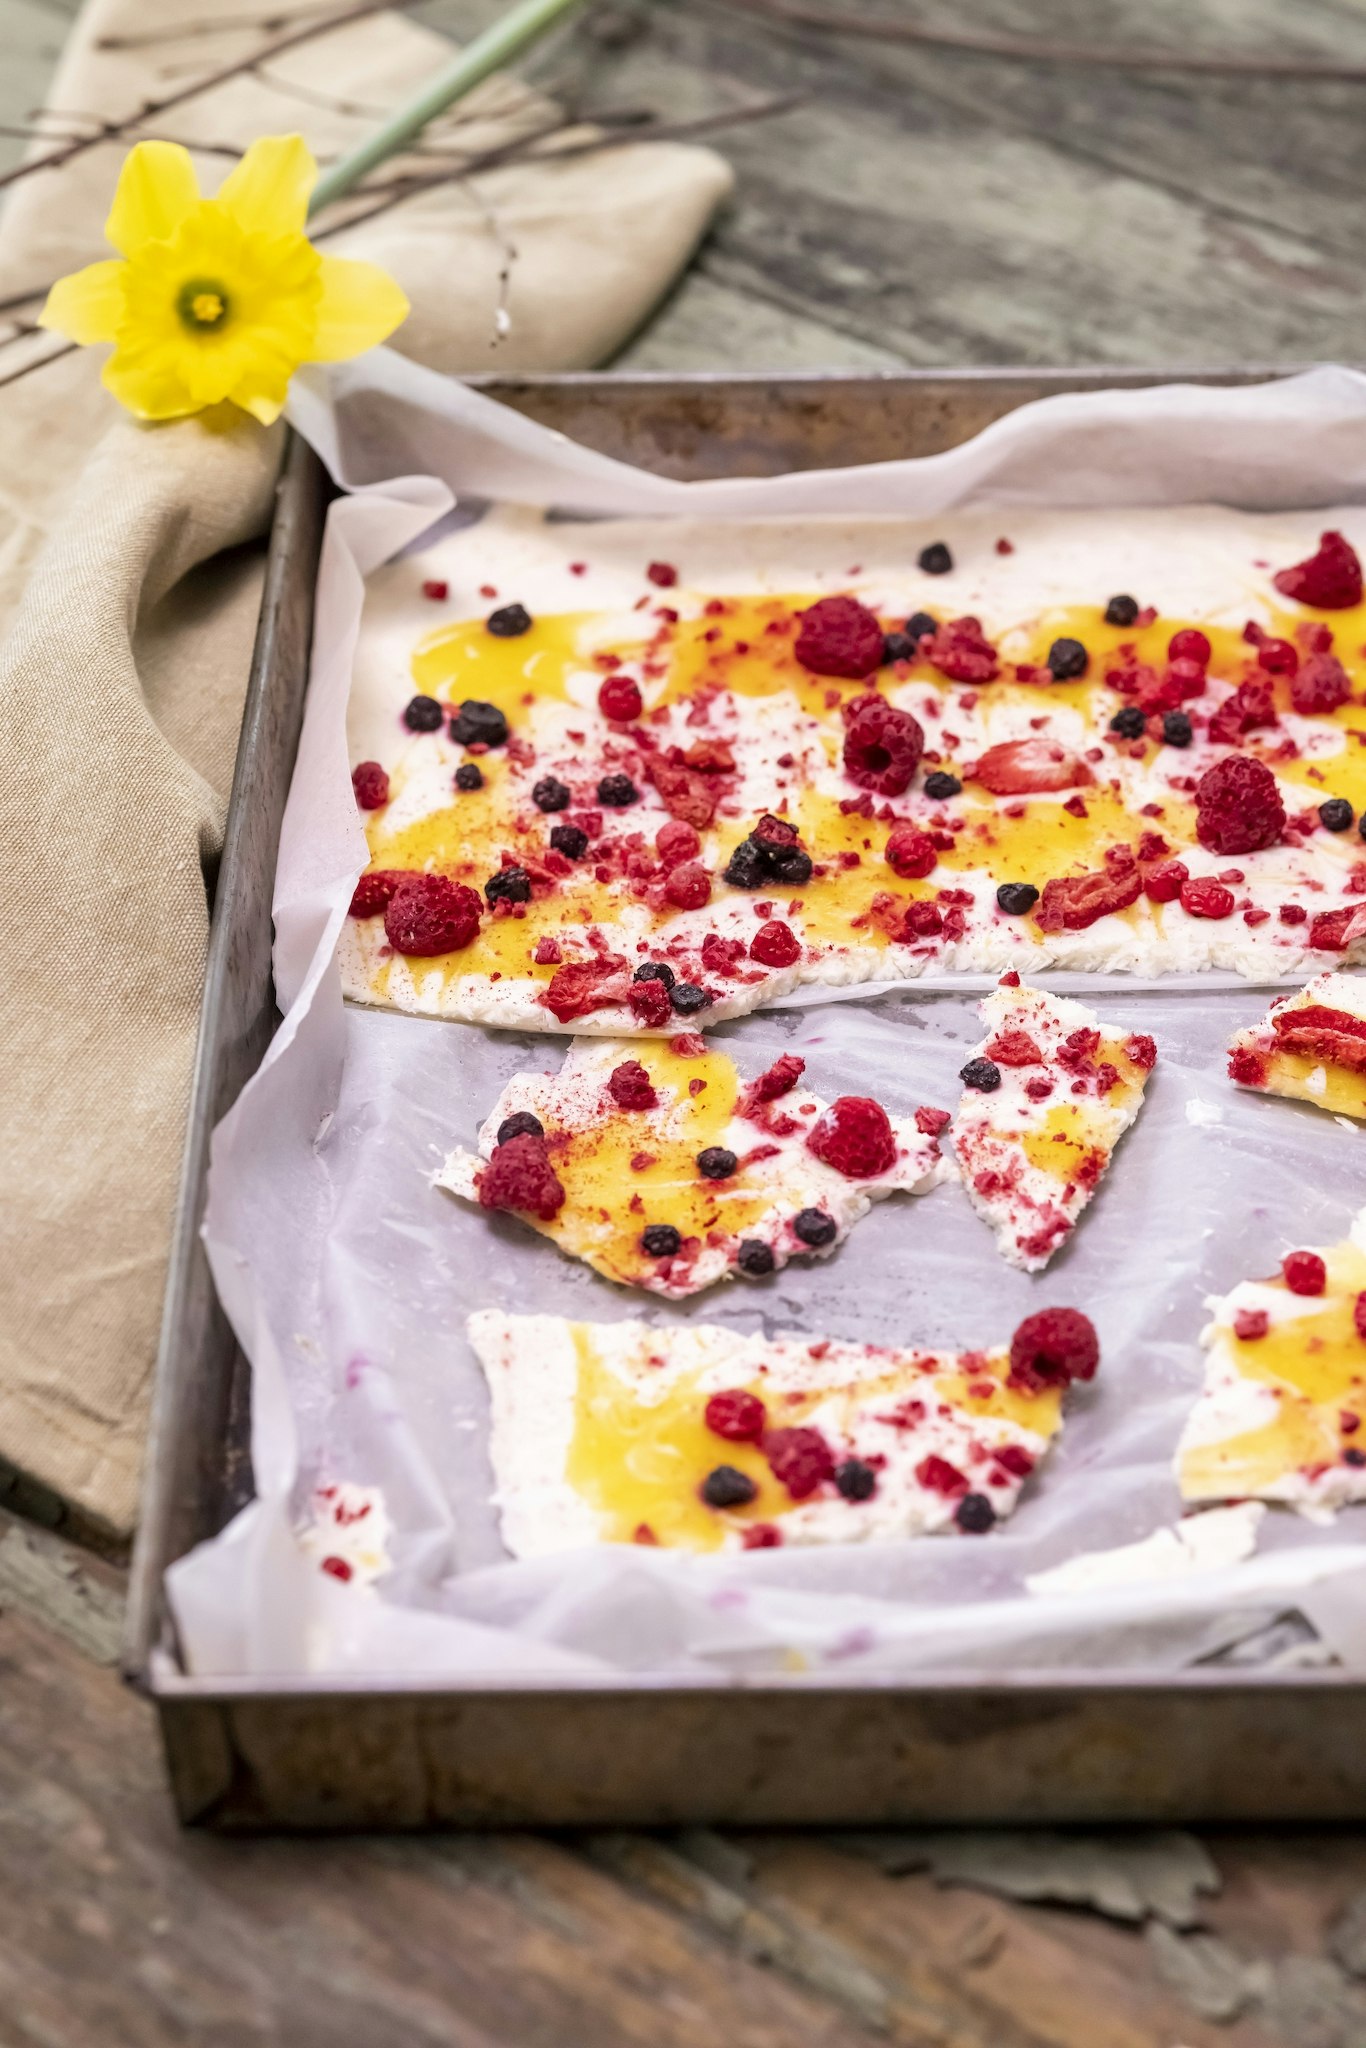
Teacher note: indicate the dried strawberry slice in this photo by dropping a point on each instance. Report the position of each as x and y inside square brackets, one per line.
[685, 793]
[1332, 931]
[1018, 767]
[586, 985]
[1072, 902]
[1329, 579]
[1312, 1026]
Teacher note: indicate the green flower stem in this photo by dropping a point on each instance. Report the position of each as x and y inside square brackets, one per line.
[498, 45]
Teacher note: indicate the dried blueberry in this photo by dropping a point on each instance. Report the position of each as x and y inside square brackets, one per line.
[921, 623]
[687, 998]
[550, 794]
[898, 647]
[789, 864]
[982, 1074]
[570, 840]
[655, 970]
[1337, 814]
[509, 885]
[1067, 659]
[1015, 898]
[716, 1163]
[746, 868]
[617, 790]
[1121, 611]
[939, 787]
[1176, 729]
[509, 620]
[469, 776]
[477, 721]
[423, 714]
[936, 560]
[754, 1257]
[1352, 1456]
[814, 1227]
[660, 1240]
[1129, 722]
[521, 1124]
[855, 1480]
[974, 1514]
[724, 1487]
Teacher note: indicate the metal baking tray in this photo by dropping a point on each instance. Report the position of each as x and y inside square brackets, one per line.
[1209, 1744]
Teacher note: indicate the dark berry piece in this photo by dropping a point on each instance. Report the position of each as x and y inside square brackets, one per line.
[656, 970]
[814, 1227]
[716, 1163]
[898, 647]
[936, 560]
[1337, 814]
[423, 714]
[1129, 722]
[726, 1488]
[941, 786]
[570, 840]
[1067, 659]
[660, 1240]
[1121, 611]
[508, 621]
[469, 776]
[477, 721]
[982, 1074]
[618, 791]
[754, 1257]
[974, 1514]
[855, 1480]
[521, 1124]
[550, 794]
[687, 998]
[791, 865]
[921, 623]
[746, 868]
[509, 885]
[1176, 729]
[1015, 898]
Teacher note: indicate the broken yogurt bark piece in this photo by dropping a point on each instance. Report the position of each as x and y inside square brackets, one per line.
[1046, 1098]
[699, 1438]
[1310, 1046]
[655, 1164]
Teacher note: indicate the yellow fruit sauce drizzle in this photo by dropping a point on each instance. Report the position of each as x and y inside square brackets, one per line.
[1315, 1364]
[1072, 1132]
[639, 1462]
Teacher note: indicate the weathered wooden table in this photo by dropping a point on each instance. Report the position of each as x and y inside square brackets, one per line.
[922, 206]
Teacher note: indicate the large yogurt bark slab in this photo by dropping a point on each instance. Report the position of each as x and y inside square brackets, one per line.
[813, 753]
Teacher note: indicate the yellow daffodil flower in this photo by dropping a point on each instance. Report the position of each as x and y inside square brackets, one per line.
[219, 298]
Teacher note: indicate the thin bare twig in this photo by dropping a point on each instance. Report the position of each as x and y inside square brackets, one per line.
[213, 25]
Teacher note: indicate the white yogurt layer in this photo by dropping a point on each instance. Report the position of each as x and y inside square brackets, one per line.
[347, 1533]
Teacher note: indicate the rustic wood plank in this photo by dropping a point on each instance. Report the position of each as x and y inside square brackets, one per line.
[75, 1594]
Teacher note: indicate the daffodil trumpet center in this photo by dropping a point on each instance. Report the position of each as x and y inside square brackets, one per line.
[202, 305]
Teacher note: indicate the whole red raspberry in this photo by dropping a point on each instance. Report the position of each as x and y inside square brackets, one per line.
[1052, 1348]
[737, 1416]
[676, 843]
[649, 1001]
[1189, 645]
[520, 1176]
[374, 892]
[1247, 1067]
[1304, 1272]
[961, 651]
[910, 853]
[882, 747]
[1164, 884]
[839, 637]
[1238, 807]
[937, 1475]
[688, 887]
[430, 914]
[855, 1136]
[779, 1079]
[1204, 897]
[1330, 579]
[800, 1459]
[1321, 685]
[775, 944]
[619, 699]
[630, 1087]
[370, 783]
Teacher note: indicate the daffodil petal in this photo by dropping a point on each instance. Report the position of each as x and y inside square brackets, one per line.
[157, 188]
[88, 305]
[267, 192]
[149, 389]
[360, 306]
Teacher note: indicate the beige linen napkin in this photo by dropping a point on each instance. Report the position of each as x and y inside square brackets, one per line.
[130, 563]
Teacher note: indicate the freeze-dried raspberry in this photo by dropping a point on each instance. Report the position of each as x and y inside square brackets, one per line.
[688, 887]
[761, 1536]
[910, 853]
[775, 944]
[961, 651]
[1250, 1324]
[800, 1460]
[1250, 707]
[775, 835]
[1014, 1049]
[374, 892]
[779, 1079]
[1164, 884]
[1017, 767]
[882, 747]
[932, 1123]
[676, 843]
[619, 699]
[437, 588]
[520, 1176]
[370, 783]
[1247, 1067]
[1238, 808]
[923, 921]
[1052, 1348]
[937, 1475]
[1304, 1272]
[1277, 657]
[1190, 644]
[1072, 902]
[1321, 685]
[1204, 897]
[630, 1087]
[737, 1416]
[429, 914]
[854, 1135]
[1142, 1050]
[649, 1001]
[1359, 1315]
[586, 985]
[662, 574]
[1330, 579]
[839, 637]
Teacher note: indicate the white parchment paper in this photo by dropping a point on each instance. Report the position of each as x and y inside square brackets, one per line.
[348, 1277]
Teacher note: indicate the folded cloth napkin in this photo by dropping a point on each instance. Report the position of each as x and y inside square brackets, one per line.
[130, 573]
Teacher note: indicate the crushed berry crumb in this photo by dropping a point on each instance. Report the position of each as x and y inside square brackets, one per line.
[1304, 1272]
[1250, 1324]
